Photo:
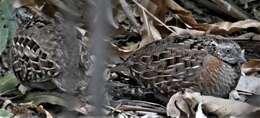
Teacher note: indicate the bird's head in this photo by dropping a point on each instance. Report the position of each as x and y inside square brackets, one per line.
[23, 15]
[228, 51]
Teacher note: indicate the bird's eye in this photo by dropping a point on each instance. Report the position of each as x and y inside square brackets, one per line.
[228, 50]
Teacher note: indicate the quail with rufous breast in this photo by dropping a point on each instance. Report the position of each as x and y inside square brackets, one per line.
[46, 52]
[208, 64]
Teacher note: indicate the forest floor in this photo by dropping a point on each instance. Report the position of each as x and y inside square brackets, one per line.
[131, 25]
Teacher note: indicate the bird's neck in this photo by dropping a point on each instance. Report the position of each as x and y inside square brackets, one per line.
[217, 77]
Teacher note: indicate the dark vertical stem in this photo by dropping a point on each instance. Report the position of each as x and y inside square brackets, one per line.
[100, 30]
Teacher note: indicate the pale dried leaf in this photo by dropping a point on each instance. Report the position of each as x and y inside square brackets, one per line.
[171, 108]
[229, 27]
[213, 105]
[221, 107]
[154, 32]
[146, 28]
[149, 32]
[180, 31]
[226, 108]
[249, 84]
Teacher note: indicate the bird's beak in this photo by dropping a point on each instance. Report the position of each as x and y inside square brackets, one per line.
[242, 58]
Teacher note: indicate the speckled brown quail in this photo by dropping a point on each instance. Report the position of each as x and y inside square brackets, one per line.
[46, 53]
[208, 64]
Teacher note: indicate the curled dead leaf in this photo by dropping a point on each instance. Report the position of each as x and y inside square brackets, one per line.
[179, 107]
[68, 101]
[126, 42]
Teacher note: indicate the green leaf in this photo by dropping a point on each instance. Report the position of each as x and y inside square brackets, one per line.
[7, 26]
[8, 83]
[3, 33]
[5, 114]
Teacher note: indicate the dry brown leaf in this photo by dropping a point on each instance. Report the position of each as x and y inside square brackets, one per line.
[148, 31]
[217, 28]
[184, 14]
[19, 3]
[153, 16]
[233, 9]
[253, 65]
